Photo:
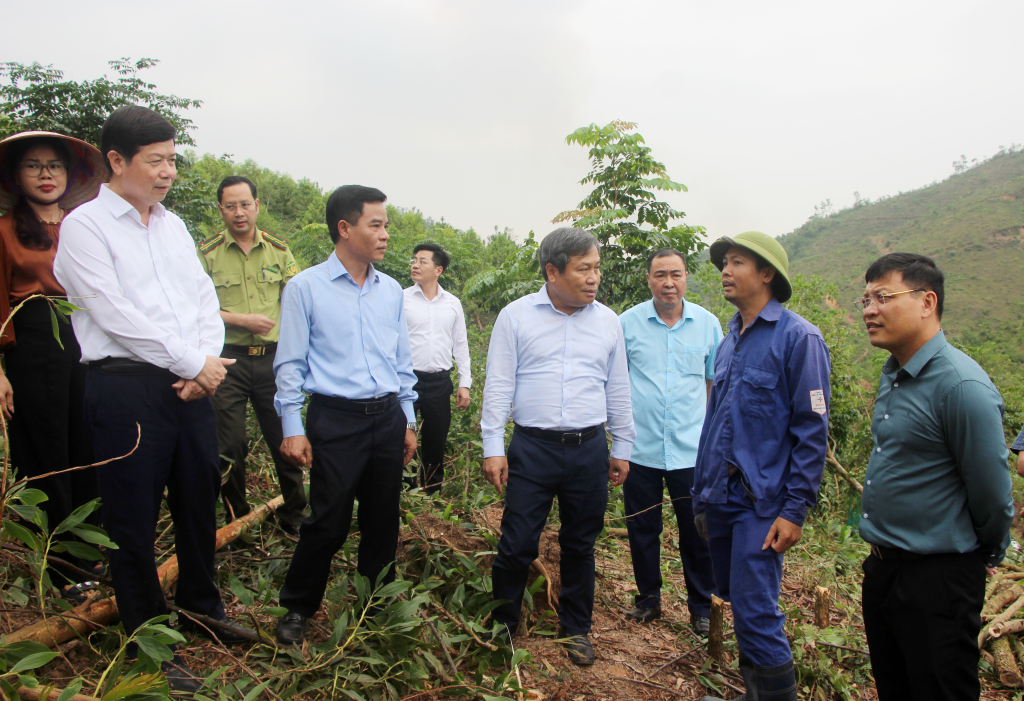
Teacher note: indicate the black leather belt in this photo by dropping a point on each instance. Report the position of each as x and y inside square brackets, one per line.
[883, 553]
[439, 375]
[127, 366]
[377, 405]
[268, 349]
[577, 437]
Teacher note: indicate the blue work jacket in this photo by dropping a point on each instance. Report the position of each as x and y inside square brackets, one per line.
[767, 415]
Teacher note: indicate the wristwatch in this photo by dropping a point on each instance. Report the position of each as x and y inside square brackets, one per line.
[411, 426]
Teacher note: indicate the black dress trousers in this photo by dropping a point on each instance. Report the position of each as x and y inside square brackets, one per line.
[922, 618]
[538, 471]
[356, 455]
[178, 453]
[435, 407]
[251, 379]
[48, 432]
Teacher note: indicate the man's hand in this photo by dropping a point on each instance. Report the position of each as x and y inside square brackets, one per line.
[189, 390]
[1020, 461]
[462, 398]
[496, 471]
[618, 470]
[259, 324]
[990, 571]
[700, 522]
[213, 373]
[6, 396]
[410, 446]
[297, 451]
[783, 535]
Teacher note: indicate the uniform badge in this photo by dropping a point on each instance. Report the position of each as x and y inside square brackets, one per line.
[818, 401]
[291, 268]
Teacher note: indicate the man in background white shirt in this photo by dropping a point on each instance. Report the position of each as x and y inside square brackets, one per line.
[151, 333]
[437, 331]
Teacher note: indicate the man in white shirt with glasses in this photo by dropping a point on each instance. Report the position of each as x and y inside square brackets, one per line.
[437, 332]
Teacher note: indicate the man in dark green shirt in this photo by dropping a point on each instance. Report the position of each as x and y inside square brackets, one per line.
[937, 502]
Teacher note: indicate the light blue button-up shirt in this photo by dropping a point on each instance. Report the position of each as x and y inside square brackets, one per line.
[340, 340]
[668, 373]
[557, 371]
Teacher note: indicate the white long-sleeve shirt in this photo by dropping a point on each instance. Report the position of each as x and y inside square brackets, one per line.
[146, 294]
[557, 371]
[437, 332]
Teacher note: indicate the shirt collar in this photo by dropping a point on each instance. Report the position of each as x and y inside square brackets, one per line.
[419, 291]
[119, 206]
[257, 239]
[335, 269]
[920, 359]
[543, 298]
[652, 312]
[771, 312]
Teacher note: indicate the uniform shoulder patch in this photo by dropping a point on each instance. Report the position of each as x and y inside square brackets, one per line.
[275, 241]
[211, 243]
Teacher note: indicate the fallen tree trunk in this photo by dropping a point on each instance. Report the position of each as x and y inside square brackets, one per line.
[999, 601]
[53, 695]
[1000, 619]
[1006, 664]
[84, 618]
[998, 630]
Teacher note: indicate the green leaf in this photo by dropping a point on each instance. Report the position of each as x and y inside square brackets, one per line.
[256, 691]
[56, 328]
[36, 659]
[92, 534]
[70, 690]
[19, 532]
[520, 655]
[138, 684]
[394, 588]
[77, 516]
[81, 550]
[154, 648]
[239, 590]
[31, 497]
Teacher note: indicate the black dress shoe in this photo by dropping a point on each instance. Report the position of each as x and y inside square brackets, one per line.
[640, 614]
[701, 625]
[579, 649]
[288, 529]
[291, 628]
[232, 635]
[179, 677]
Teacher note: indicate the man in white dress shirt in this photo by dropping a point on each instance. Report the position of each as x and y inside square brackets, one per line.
[558, 358]
[151, 334]
[437, 331]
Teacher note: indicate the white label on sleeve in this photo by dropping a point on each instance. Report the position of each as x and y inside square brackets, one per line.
[818, 401]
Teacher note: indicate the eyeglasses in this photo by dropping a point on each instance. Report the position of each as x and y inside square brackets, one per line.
[245, 206]
[35, 168]
[879, 298]
[424, 263]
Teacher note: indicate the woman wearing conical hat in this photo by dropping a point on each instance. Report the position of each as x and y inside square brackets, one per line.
[42, 176]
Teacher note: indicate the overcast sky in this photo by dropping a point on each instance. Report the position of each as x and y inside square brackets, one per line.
[461, 108]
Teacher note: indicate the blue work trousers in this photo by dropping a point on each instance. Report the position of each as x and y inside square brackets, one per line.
[748, 577]
[643, 493]
[538, 471]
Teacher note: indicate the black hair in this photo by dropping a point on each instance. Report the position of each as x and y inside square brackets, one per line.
[347, 203]
[31, 232]
[665, 253]
[131, 127]
[232, 180]
[918, 272]
[563, 244]
[440, 257]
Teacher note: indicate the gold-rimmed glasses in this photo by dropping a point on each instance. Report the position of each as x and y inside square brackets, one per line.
[879, 298]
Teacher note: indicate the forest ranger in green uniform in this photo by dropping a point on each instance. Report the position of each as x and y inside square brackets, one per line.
[250, 268]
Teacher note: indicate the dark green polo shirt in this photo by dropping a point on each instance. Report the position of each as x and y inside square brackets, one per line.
[938, 481]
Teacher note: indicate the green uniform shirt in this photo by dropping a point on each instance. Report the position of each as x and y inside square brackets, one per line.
[937, 481]
[249, 284]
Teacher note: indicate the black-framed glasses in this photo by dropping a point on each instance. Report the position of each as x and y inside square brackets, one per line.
[879, 298]
[35, 168]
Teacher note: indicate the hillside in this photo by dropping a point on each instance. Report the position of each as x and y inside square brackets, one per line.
[972, 224]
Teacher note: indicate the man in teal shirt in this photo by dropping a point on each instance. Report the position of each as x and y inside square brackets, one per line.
[937, 502]
[670, 346]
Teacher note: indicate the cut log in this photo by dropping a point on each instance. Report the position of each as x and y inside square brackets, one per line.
[987, 632]
[37, 695]
[1006, 664]
[998, 630]
[999, 601]
[617, 532]
[716, 636]
[85, 618]
[822, 606]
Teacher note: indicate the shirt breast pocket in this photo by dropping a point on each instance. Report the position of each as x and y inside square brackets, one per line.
[269, 286]
[229, 289]
[691, 360]
[388, 338]
[757, 395]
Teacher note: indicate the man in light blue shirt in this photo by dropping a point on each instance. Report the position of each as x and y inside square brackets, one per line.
[557, 357]
[344, 340]
[670, 346]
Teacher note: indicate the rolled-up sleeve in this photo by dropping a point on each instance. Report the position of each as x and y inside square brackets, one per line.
[808, 374]
[972, 414]
[291, 362]
[618, 400]
[500, 385]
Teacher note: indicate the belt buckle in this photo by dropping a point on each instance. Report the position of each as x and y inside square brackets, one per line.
[256, 350]
[578, 435]
[376, 407]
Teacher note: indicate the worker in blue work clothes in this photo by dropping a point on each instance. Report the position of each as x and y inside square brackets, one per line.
[761, 452]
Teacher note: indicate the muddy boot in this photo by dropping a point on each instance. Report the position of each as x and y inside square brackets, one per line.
[749, 680]
[776, 683]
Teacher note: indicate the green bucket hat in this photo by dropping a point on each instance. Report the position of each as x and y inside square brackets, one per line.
[765, 246]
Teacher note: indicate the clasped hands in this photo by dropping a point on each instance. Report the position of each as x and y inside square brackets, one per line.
[204, 384]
